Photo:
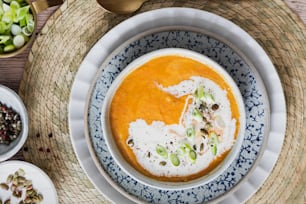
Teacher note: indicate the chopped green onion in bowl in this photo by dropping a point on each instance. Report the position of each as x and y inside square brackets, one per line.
[16, 25]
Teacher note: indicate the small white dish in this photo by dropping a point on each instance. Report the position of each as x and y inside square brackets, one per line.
[115, 151]
[40, 181]
[9, 98]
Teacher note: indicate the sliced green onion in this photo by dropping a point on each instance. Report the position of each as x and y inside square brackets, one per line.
[213, 138]
[214, 149]
[181, 150]
[22, 22]
[208, 98]
[22, 12]
[197, 115]
[190, 132]
[18, 41]
[30, 26]
[199, 93]
[14, 5]
[1, 9]
[4, 39]
[15, 29]
[9, 42]
[9, 48]
[22, 3]
[184, 148]
[26, 31]
[3, 27]
[8, 17]
[29, 18]
[5, 7]
[174, 160]
[162, 151]
[26, 38]
[192, 155]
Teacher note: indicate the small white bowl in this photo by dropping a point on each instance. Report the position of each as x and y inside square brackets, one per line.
[9, 98]
[115, 152]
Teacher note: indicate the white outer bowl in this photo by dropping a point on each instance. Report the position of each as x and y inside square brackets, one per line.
[115, 152]
[11, 99]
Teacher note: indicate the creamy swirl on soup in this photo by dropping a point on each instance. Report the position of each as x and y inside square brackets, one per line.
[174, 119]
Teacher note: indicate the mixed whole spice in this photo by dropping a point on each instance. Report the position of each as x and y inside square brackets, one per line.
[10, 124]
[21, 188]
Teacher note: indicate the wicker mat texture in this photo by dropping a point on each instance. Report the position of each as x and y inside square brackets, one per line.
[75, 27]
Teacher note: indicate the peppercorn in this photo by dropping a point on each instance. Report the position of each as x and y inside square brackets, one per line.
[10, 124]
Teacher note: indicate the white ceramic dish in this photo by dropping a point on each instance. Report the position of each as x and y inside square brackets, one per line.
[110, 140]
[12, 100]
[180, 17]
[40, 181]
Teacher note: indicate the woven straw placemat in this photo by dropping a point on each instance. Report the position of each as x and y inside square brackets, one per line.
[74, 28]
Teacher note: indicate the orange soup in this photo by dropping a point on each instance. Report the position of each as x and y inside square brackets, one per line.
[174, 118]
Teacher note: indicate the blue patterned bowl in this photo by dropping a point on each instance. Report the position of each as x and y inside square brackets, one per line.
[110, 140]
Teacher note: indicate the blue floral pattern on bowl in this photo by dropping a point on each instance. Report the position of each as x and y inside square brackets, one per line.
[241, 72]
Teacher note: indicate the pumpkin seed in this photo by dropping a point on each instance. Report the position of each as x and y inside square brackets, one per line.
[17, 193]
[15, 180]
[13, 187]
[201, 147]
[28, 200]
[9, 178]
[162, 163]
[20, 172]
[29, 187]
[4, 186]
[27, 183]
[29, 192]
[40, 197]
[21, 179]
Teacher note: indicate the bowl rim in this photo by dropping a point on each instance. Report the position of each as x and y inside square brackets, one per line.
[129, 169]
[25, 121]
